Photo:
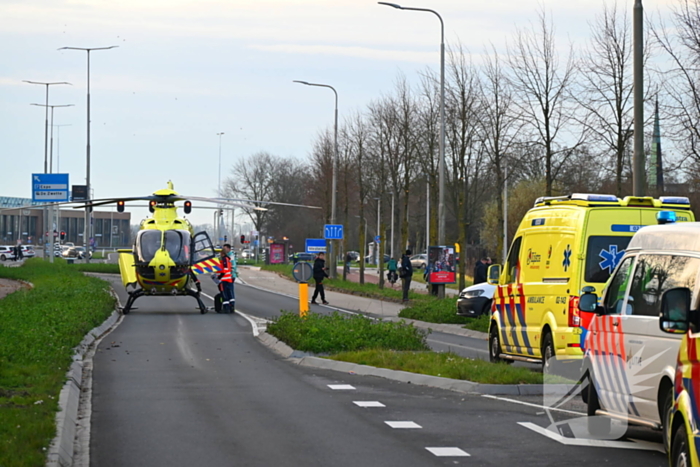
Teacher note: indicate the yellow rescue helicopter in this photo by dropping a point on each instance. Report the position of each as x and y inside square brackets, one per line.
[167, 253]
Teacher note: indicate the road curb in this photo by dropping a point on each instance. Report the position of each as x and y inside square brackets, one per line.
[62, 449]
[457, 385]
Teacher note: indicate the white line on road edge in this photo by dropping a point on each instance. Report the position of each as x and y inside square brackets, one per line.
[403, 424]
[254, 325]
[341, 387]
[448, 452]
[532, 405]
[596, 443]
[368, 404]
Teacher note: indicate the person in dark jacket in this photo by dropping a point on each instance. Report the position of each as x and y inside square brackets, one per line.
[406, 274]
[320, 273]
[481, 270]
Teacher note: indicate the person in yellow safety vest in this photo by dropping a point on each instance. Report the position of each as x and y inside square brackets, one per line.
[226, 278]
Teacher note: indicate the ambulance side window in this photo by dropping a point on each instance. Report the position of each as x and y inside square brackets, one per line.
[618, 286]
[513, 263]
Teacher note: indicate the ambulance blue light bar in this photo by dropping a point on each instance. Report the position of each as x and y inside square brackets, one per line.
[592, 197]
[665, 217]
[674, 200]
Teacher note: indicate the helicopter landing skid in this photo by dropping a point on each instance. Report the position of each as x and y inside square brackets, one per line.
[202, 308]
[132, 298]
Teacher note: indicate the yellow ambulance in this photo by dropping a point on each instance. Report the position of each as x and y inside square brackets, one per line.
[562, 245]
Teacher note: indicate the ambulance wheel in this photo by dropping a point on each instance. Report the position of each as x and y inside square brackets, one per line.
[548, 352]
[666, 409]
[680, 454]
[598, 425]
[495, 347]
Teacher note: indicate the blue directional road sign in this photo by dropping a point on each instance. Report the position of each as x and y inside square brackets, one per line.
[315, 245]
[49, 187]
[333, 231]
[377, 239]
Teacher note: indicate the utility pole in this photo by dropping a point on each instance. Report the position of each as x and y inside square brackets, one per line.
[638, 173]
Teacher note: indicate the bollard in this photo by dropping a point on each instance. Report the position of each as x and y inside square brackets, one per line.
[303, 299]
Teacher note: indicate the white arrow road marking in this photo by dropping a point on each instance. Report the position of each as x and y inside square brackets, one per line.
[597, 443]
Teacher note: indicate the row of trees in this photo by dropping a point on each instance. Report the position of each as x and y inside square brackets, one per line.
[538, 119]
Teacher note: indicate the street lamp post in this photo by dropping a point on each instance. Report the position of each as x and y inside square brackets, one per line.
[87, 230]
[218, 194]
[335, 171]
[392, 225]
[46, 145]
[51, 137]
[427, 213]
[441, 169]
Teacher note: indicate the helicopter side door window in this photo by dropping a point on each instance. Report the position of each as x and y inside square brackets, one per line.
[202, 248]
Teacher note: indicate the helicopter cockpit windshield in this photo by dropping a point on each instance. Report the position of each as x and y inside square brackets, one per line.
[177, 243]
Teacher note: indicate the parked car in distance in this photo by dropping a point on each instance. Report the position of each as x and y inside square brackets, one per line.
[354, 255]
[28, 251]
[7, 253]
[369, 259]
[419, 261]
[302, 256]
[81, 252]
[475, 300]
[246, 254]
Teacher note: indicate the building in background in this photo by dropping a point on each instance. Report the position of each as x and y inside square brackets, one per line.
[110, 228]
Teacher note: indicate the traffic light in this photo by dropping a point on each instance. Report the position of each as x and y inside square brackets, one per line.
[242, 239]
[152, 205]
[63, 235]
[188, 207]
[120, 206]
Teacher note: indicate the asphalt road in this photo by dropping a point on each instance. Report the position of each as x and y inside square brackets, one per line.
[173, 387]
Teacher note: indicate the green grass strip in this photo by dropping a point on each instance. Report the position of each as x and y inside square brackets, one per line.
[446, 365]
[340, 332]
[39, 328]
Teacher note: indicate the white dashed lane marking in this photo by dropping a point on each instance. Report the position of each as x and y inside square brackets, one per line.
[403, 424]
[341, 387]
[369, 404]
[448, 452]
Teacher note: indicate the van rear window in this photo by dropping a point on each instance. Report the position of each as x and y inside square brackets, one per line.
[602, 256]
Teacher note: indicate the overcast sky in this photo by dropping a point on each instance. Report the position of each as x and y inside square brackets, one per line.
[186, 70]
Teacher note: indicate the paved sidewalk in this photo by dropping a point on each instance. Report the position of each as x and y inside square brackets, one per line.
[372, 277]
[386, 310]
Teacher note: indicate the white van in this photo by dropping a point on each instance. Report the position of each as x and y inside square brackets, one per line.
[630, 362]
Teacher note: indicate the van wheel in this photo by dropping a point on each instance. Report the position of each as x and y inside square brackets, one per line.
[598, 425]
[494, 345]
[680, 454]
[548, 352]
[3, 257]
[666, 408]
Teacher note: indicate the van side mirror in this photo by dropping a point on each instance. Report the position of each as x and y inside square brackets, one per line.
[494, 273]
[675, 310]
[588, 301]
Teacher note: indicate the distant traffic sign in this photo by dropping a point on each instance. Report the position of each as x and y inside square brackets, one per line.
[49, 187]
[377, 239]
[333, 231]
[315, 245]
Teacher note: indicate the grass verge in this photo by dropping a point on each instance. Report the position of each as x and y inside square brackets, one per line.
[339, 333]
[443, 311]
[97, 267]
[38, 330]
[446, 365]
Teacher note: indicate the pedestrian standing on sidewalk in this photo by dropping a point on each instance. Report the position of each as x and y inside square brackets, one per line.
[320, 273]
[226, 281]
[406, 273]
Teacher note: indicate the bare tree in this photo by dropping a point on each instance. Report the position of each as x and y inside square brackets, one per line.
[682, 81]
[500, 127]
[252, 178]
[543, 88]
[607, 87]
